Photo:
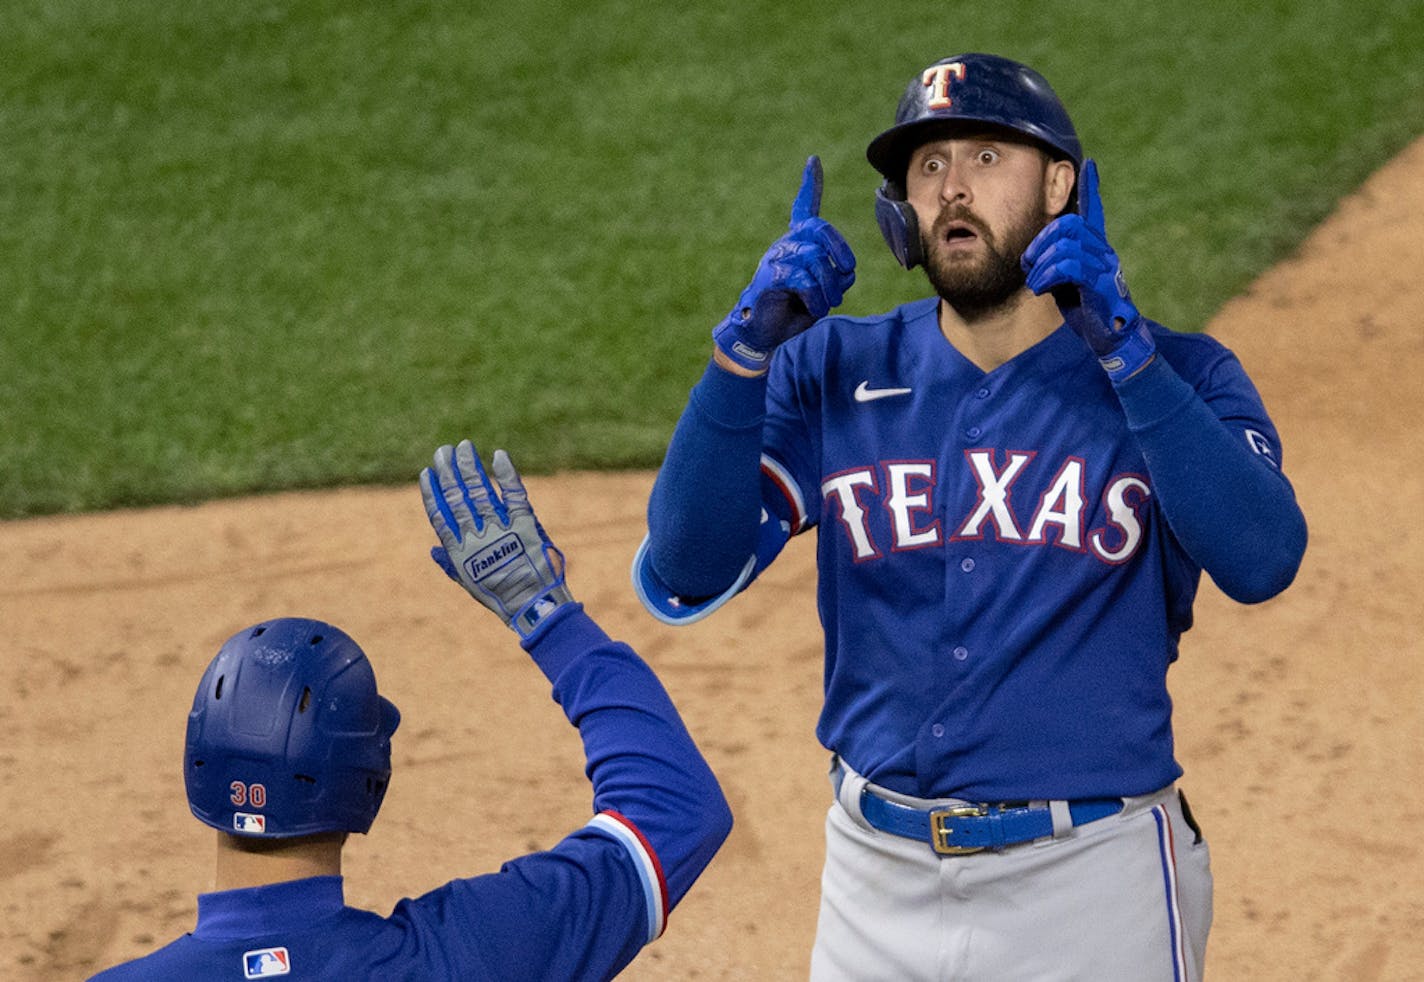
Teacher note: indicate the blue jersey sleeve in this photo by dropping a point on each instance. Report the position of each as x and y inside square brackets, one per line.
[584, 909]
[648, 775]
[574, 912]
[791, 449]
[1215, 461]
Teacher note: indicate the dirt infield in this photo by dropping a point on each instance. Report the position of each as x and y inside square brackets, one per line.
[1300, 722]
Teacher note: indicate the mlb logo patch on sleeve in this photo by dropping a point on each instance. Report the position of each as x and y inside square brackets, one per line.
[266, 963]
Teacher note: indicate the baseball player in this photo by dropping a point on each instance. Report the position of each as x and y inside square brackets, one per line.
[289, 748]
[1016, 484]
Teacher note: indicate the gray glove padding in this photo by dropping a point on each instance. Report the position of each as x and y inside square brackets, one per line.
[491, 543]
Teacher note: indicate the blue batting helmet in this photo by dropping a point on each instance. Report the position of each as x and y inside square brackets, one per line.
[968, 88]
[288, 735]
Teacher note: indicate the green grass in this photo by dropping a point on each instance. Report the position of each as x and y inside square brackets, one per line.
[251, 246]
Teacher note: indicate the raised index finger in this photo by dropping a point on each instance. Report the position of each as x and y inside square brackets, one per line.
[1090, 205]
[808, 199]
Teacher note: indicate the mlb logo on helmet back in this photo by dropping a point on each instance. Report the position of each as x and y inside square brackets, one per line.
[246, 822]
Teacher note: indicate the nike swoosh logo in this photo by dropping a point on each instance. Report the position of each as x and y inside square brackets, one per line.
[864, 393]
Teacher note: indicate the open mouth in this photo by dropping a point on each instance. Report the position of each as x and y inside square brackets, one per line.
[956, 233]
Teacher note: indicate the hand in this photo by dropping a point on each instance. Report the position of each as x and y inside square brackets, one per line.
[1072, 259]
[803, 275]
[495, 548]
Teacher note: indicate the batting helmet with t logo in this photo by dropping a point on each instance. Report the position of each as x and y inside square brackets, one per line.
[969, 88]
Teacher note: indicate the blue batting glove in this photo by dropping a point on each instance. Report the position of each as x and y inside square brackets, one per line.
[803, 275]
[1072, 259]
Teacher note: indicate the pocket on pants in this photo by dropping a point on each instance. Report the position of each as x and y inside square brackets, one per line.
[1194, 886]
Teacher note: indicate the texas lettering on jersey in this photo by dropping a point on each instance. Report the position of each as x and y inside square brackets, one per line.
[907, 491]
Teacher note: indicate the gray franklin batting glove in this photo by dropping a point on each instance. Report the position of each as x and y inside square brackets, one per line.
[491, 543]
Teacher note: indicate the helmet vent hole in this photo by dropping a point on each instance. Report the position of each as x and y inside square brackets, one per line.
[306, 700]
[257, 631]
[199, 763]
[316, 639]
[305, 778]
[217, 693]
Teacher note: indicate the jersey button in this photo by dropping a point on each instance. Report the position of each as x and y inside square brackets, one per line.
[937, 730]
[982, 394]
[961, 653]
[966, 564]
[973, 432]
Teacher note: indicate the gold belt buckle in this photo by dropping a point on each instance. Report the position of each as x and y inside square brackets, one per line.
[940, 830]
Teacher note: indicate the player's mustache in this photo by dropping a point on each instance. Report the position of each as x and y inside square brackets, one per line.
[960, 214]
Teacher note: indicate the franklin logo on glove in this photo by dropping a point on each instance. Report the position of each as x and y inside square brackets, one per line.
[488, 560]
[490, 542]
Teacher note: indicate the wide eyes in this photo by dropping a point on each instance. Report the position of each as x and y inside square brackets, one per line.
[934, 165]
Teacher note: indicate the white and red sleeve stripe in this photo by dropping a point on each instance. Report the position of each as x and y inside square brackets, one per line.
[786, 484]
[645, 861]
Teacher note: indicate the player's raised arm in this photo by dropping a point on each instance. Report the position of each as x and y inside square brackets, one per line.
[705, 515]
[1219, 480]
[659, 813]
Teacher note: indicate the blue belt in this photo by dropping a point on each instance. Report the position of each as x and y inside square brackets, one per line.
[955, 830]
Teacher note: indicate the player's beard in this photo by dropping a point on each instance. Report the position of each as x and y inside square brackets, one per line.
[979, 285]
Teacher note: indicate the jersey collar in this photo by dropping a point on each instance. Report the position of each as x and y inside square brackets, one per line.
[1056, 352]
[258, 911]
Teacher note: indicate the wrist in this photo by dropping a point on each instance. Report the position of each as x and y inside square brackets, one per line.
[562, 637]
[1132, 354]
[725, 361]
[531, 615]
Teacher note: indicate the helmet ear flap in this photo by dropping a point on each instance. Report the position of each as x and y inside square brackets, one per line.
[899, 225]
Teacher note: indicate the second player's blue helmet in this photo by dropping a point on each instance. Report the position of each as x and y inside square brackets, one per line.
[968, 88]
[288, 735]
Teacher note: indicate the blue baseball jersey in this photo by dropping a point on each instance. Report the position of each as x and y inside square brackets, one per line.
[581, 910]
[1007, 559]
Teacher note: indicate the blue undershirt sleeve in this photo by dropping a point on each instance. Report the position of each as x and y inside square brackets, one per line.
[705, 507]
[1231, 508]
